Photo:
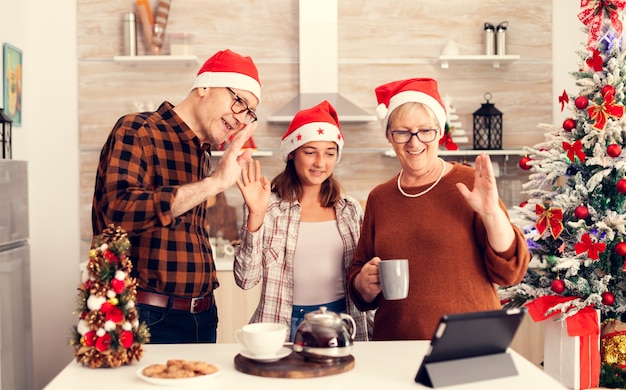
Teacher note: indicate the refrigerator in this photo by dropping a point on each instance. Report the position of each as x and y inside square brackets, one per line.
[16, 331]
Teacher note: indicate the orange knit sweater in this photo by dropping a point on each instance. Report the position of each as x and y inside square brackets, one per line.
[451, 266]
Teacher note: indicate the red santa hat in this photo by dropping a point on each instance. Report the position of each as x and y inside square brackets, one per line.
[318, 123]
[229, 69]
[423, 90]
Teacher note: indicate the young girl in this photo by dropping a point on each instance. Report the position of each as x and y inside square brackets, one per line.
[299, 232]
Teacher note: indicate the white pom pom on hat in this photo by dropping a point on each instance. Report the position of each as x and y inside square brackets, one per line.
[318, 123]
[229, 69]
[418, 90]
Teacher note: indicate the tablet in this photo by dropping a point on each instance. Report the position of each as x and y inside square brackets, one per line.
[469, 335]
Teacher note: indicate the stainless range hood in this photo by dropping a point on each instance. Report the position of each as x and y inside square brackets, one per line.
[319, 65]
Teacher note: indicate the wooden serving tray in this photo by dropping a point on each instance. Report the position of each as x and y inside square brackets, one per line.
[293, 366]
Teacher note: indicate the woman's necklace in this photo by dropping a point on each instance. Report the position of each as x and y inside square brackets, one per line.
[443, 169]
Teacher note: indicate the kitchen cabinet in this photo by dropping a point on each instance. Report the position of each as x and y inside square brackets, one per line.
[234, 305]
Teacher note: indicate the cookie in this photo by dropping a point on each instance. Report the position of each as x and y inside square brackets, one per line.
[154, 369]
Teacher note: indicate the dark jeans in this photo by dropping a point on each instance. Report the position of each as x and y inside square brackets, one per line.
[178, 327]
[298, 313]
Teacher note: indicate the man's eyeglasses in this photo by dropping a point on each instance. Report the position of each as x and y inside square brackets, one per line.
[240, 105]
[404, 136]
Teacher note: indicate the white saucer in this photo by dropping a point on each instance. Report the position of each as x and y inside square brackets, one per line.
[282, 353]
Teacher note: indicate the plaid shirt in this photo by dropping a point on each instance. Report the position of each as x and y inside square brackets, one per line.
[144, 161]
[268, 253]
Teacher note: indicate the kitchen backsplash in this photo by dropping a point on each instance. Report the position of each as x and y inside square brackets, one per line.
[378, 42]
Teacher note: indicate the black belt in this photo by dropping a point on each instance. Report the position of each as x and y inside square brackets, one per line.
[191, 305]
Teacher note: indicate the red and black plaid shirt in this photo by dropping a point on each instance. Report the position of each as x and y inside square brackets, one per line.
[144, 161]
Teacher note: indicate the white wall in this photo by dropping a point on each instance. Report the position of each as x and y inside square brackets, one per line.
[568, 39]
[48, 140]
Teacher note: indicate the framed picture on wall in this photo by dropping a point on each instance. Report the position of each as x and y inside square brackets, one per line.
[12, 81]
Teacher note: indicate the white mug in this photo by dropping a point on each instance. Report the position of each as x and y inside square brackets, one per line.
[394, 278]
[262, 339]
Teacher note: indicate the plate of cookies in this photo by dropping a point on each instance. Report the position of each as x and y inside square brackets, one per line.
[178, 372]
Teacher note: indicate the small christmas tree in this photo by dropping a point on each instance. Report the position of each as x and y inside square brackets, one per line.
[108, 333]
[454, 133]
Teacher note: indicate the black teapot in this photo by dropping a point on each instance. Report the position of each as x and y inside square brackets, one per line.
[325, 336]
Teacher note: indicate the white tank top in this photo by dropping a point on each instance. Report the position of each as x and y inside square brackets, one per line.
[318, 264]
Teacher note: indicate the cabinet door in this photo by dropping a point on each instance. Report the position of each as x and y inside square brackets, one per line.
[235, 306]
[528, 341]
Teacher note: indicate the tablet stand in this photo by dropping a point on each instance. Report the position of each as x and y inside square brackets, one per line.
[459, 371]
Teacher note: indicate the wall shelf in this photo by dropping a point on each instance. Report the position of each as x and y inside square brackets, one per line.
[470, 152]
[495, 60]
[157, 60]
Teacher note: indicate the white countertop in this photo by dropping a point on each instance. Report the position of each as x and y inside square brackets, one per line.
[378, 365]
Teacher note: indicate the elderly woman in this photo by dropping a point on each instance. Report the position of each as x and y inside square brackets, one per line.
[445, 218]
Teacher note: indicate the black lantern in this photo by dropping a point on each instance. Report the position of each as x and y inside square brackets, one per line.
[6, 125]
[487, 126]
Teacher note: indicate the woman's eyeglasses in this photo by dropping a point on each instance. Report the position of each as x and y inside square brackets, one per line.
[404, 136]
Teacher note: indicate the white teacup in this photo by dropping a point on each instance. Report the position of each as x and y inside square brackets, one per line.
[262, 339]
[394, 278]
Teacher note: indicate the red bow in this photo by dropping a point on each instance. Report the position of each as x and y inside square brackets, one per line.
[607, 108]
[593, 249]
[596, 61]
[447, 141]
[551, 217]
[575, 149]
[563, 99]
[594, 12]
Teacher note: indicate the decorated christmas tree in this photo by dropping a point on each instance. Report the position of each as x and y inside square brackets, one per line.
[575, 213]
[108, 333]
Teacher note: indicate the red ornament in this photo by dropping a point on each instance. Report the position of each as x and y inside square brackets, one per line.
[558, 286]
[523, 204]
[106, 307]
[569, 124]
[608, 298]
[115, 314]
[614, 150]
[117, 285]
[111, 257]
[126, 338]
[103, 343]
[90, 338]
[608, 89]
[581, 102]
[620, 248]
[523, 163]
[621, 186]
[581, 212]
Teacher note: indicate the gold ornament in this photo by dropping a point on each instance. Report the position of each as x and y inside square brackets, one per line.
[613, 343]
